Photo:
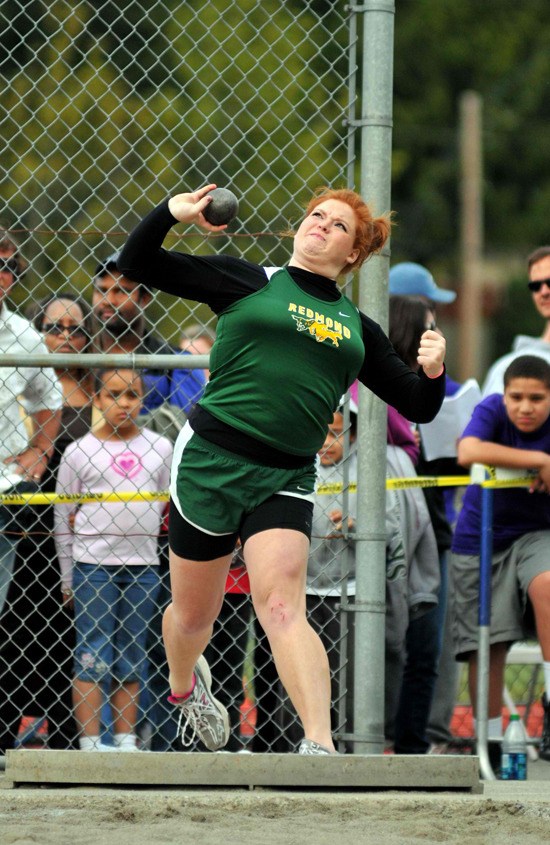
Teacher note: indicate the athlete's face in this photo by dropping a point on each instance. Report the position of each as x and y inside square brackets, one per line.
[324, 242]
[527, 402]
[539, 272]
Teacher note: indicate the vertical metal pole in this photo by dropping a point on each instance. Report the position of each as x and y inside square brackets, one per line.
[471, 234]
[370, 599]
[484, 621]
[347, 608]
[344, 609]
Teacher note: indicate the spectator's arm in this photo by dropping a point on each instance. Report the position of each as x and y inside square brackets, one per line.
[33, 460]
[45, 430]
[42, 399]
[472, 450]
[396, 564]
[68, 481]
[186, 388]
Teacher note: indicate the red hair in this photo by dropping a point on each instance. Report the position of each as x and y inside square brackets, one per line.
[371, 232]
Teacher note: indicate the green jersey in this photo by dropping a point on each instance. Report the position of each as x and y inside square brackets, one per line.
[282, 360]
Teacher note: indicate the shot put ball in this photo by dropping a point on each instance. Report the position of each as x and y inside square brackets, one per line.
[223, 207]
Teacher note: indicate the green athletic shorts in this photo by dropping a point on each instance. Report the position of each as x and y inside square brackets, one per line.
[215, 489]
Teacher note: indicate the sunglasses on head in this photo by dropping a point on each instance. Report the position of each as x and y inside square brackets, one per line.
[59, 328]
[536, 286]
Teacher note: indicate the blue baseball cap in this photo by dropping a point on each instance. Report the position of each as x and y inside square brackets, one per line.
[410, 279]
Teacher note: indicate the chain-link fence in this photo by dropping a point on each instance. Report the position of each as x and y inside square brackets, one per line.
[107, 109]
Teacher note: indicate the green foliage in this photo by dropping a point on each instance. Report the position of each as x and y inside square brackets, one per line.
[110, 107]
[497, 48]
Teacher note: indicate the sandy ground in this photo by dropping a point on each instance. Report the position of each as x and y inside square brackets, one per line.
[505, 813]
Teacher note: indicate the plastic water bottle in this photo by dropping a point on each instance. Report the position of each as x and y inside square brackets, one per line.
[514, 751]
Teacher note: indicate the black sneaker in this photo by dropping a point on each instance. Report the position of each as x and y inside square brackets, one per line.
[544, 747]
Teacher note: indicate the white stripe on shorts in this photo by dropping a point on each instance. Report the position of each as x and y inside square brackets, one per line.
[308, 497]
[182, 440]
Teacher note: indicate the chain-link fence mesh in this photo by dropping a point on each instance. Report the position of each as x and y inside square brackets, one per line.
[107, 109]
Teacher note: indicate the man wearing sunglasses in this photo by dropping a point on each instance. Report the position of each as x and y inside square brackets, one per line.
[538, 268]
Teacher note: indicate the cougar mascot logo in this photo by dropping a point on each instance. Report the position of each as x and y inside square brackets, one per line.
[319, 331]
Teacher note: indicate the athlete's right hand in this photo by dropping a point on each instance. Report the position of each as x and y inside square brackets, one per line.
[188, 208]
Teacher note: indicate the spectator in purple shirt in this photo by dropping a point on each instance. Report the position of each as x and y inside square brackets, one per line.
[511, 431]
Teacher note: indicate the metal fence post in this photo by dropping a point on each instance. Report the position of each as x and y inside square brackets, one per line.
[376, 124]
[484, 620]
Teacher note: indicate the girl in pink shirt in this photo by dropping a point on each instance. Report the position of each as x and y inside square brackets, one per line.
[108, 556]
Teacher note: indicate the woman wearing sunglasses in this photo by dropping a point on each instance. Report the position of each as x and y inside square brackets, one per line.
[63, 319]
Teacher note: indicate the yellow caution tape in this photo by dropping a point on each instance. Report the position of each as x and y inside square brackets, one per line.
[427, 481]
[326, 489]
[399, 484]
[494, 483]
[82, 498]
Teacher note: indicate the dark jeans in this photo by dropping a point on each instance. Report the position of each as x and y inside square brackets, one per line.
[15, 520]
[270, 700]
[162, 715]
[448, 671]
[36, 643]
[418, 684]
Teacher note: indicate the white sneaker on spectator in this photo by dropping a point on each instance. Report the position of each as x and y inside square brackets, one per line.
[439, 748]
[125, 742]
[93, 743]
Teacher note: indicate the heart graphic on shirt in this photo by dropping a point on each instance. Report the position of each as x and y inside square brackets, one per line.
[126, 464]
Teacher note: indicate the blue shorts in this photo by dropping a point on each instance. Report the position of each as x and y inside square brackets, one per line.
[113, 609]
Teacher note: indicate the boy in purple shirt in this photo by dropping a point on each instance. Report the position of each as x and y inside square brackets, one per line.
[511, 431]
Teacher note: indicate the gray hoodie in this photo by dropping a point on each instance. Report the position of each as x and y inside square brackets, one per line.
[418, 536]
[332, 557]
